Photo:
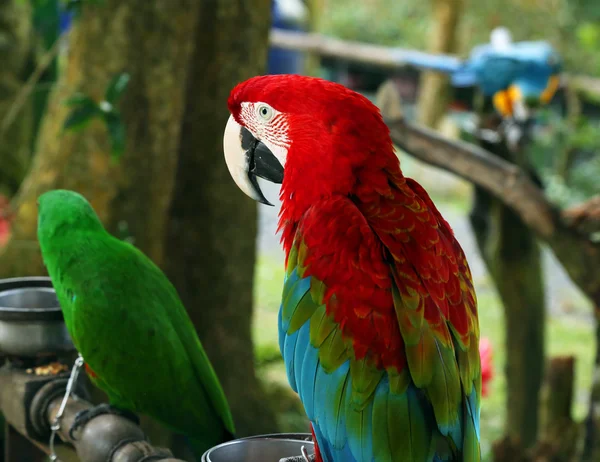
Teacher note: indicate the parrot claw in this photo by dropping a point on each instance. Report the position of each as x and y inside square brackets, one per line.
[304, 457]
[83, 417]
[301, 458]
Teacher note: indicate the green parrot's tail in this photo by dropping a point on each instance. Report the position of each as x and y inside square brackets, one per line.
[199, 446]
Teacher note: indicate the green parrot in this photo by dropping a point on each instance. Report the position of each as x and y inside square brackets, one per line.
[127, 321]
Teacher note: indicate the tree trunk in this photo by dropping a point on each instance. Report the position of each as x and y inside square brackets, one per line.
[212, 229]
[312, 61]
[15, 49]
[152, 41]
[560, 436]
[515, 265]
[513, 259]
[434, 89]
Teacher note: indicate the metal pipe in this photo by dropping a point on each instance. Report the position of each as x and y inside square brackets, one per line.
[30, 404]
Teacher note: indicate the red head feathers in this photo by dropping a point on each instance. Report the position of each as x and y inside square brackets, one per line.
[326, 136]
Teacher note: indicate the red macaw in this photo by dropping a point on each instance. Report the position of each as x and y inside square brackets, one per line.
[378, 323]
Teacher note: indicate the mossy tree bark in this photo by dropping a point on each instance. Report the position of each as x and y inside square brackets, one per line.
[153, 42]
[15, 50]
[210, 249]
[434, 89]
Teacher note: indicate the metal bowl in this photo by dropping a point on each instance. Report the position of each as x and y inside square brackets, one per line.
[31, 321]
[262, 448]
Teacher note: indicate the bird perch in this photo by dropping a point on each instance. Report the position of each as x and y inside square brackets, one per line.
[386, 57]
[30, 403]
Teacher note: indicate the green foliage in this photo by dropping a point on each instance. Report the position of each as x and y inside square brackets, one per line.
[85, 109]
[267, 355]
[116, 87]
[116, 132]
[588, 42]
[384, 22]
[588, 35]
[567, 157]
[409, 24]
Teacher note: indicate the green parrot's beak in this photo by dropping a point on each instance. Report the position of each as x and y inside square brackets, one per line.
[248, 158]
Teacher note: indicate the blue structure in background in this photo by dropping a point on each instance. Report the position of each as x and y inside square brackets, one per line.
[497, 65]
[66, 17]
[288, 15]
[527, 65]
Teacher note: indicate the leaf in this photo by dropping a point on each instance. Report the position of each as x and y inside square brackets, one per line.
[588, 35]
[116, 87]
[79, 99]
[81, 116]
[116, 132]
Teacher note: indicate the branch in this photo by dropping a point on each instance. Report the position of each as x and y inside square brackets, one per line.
[387, 57]
[584, 216]
[573, 248]
[586, 86]
[30, 403]
[474, 164]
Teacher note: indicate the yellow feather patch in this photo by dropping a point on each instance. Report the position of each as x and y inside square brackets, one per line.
[550, 90]
[502, 103]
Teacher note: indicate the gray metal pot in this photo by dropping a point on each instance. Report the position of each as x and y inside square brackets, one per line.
[262, 448]
[31, 321]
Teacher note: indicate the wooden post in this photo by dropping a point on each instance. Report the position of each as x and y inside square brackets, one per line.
[513, 258]
[559, 431]
[434, 92]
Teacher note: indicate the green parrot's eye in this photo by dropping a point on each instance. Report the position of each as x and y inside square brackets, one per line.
[265, 112]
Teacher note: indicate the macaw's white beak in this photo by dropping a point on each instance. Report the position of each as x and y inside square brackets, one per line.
[248, 158]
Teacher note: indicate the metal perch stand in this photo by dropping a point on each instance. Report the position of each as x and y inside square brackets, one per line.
[30, 404]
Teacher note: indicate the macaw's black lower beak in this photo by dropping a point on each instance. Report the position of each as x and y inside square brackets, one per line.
[261, 163]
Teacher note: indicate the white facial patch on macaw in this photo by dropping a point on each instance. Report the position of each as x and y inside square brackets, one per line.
[269, 126]
[235, 157]
[256, 147]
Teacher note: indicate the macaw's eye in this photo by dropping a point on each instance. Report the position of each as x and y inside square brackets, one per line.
[265, 112]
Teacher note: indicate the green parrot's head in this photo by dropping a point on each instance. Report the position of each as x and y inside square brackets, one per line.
[60, 212]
